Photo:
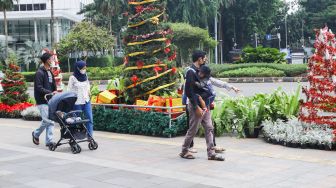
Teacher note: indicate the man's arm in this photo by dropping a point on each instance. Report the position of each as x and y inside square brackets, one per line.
[222, 84]
[189, 88]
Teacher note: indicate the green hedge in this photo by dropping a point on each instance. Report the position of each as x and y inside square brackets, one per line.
[289, 69]
[105, 61]
[137, 122]
[29, 76]
[252, 72]
[94, 73]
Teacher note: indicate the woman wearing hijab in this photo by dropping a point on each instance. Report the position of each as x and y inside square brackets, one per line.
[80, 84]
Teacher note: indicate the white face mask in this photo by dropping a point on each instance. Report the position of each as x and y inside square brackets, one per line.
[83, 71]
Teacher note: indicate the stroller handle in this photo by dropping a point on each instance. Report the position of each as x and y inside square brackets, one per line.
[49, 94]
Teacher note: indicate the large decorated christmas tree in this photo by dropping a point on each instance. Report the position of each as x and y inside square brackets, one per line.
[149, 53]
[319, 108]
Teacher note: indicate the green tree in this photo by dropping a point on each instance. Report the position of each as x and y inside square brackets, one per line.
[246, 17]
[99, 14]
[86, 38]
[318, 14]
[195, 12]
[31, 53]
[4, 6]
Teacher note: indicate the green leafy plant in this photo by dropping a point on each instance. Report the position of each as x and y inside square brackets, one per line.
[261, 54]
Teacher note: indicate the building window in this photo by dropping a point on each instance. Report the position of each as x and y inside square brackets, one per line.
[29, 7]
[16, 7]
[23, 7]
[43, 6]
[36, 6]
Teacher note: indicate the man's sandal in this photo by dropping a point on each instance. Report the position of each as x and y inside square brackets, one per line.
[36, 141]
[216, 158]
[192, 150]
[187, 155]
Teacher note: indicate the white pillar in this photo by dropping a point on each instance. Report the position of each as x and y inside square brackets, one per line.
[216, 39]
[57, 31]
[35, 31]
[49, 34]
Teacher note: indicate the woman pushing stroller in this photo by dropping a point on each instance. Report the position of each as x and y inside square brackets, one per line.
[79, 84]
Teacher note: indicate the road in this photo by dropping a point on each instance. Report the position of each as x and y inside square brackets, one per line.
[247, 89]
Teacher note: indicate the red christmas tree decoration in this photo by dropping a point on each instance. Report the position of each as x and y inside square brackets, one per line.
[320, 108]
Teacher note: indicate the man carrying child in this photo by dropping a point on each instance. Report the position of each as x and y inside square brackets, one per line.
[200, 94]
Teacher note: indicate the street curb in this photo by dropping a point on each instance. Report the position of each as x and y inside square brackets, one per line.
[229, 80]
[264, 79]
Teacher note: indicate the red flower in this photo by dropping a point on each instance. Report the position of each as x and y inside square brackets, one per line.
[157, 69]
[168, 42]
[134, 79]
[174, 70]
[140, 64]
[172, 57]
[167, 50]
[139, 8]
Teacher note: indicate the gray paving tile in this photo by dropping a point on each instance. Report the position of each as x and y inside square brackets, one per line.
[48, 183]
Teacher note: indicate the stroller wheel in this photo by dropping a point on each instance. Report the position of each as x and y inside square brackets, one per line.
[93, 145]
[76, 149]
[52, 147]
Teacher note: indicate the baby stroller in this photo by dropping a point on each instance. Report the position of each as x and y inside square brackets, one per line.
[73, 128]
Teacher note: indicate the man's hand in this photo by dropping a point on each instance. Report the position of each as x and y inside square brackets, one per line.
[198, 111]
[55, 92]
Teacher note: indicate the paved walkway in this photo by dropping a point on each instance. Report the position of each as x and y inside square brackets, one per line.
[137, 161]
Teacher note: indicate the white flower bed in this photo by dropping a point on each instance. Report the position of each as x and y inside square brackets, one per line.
[297, 134]
[31, 114]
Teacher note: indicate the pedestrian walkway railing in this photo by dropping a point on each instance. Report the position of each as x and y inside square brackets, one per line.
[169, 111]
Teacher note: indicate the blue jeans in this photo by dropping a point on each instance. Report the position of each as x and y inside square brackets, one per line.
[86, 108]
[45, 124]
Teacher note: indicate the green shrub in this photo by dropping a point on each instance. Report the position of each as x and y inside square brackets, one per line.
[118, 61]
[137, 122]
[290, 70]
[104, 73]
[252, 72]
[105, 61]
[29, 76]
[262, 55]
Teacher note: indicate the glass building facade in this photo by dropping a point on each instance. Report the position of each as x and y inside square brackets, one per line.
[30, 21]
[21, 31]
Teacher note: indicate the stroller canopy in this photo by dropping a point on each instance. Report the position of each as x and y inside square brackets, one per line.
[61, 102]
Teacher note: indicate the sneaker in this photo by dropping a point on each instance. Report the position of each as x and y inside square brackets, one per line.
[36, 141]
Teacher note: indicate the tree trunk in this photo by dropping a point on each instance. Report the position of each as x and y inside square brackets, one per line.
[6, 34]
[52, 24]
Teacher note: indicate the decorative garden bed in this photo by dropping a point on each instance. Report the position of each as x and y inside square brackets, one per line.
[127, 119]
[296, 134]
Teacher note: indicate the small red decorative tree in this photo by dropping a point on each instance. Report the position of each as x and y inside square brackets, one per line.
[56, 69]
[14, 97]
[320, 106]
